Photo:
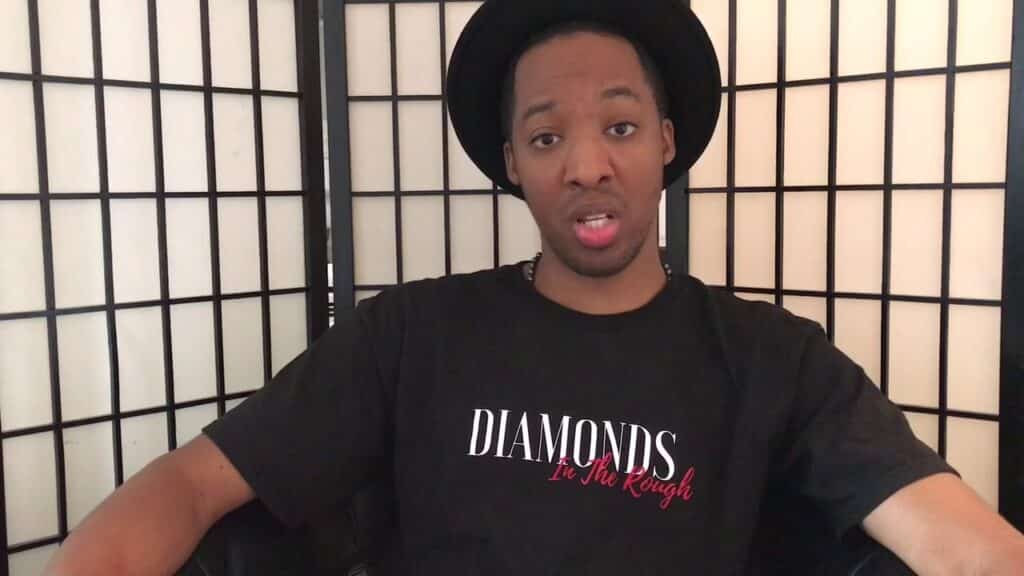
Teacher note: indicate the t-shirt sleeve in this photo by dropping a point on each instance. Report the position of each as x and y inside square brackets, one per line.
[852, 448]
[319, 430]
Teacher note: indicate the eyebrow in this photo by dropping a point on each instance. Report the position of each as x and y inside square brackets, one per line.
[608, 94]
[619, 92]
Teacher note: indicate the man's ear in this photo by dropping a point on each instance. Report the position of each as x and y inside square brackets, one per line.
[510, 164]
[668, 136]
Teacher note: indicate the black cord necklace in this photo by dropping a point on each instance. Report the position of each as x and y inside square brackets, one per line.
[531, 269]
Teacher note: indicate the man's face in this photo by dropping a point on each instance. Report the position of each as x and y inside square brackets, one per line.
[588, 147]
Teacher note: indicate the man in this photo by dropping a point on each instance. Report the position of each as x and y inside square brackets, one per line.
[586, 412]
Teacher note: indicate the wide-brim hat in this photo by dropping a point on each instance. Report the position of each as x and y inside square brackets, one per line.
[497, 33]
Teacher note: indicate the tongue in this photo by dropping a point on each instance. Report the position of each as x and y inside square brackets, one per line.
[597, 238]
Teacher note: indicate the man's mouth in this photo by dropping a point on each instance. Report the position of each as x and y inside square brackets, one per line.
[597, 230]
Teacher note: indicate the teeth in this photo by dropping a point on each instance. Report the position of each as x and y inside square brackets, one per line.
[596, 222]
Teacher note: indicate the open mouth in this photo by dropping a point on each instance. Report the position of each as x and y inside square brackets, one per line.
[597, 230]
[596, 221]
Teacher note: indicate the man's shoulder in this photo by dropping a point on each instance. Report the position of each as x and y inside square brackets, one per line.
[445, 295]
[752, 327]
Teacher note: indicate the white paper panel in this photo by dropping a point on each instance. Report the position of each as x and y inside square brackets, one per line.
[714, 14]
[77, 253]
[859, 241]
[463, 174]
[130, 140]
[810, 308]
[361, 295]
[805, 240]
[188, 247]
[180, 38]
[30, 488]
[232, 404]
[89, 465]
[71, 138]
[807, 136]
[370, 140]
[373, 231]
[472, 229]
[281, 144]
[984, 31]
[708, 236]
[976, 244]
[125, 28]
[235, 143]
[83, 353]
[368, 49]
[190, 421]
[457, 14]
[14, 41]
[417, 32]
[135, 252]
[860, 133]
[140, 357]
[24, 374]
[65, 33]
[286, 242]
[243, 344]
[755, 138]
[277, 45]
[21, 260]
[192, 346]
[518, 237]
[808, 27]
[755, 297]
[18, 172]
[914, 354]
[288, 329]
[757, 47]
[981, 126]
[973, 449]
[755, 240]
[925, 427]
[862, 36]
[143, 439]
[858, 333]
[419, 135]
[239, 245]
[974, 345]
[422, 238]
[916, 242]
[184, 134]
[31, 562]
[919, 129]
[662, 207]
[922, 32]
[710, 169]
[229, 44]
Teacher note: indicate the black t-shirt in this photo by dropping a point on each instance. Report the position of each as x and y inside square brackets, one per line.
[522, 437]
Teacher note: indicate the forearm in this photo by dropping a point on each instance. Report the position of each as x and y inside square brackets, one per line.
[149, 526]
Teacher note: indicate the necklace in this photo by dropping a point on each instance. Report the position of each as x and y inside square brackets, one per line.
[531, 269]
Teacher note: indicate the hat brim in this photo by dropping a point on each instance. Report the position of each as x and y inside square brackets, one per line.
[497, 32]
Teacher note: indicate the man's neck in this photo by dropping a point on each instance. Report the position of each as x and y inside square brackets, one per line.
[630, 289]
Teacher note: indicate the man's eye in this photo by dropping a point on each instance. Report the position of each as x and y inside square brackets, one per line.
[545, 140]
[622, 129]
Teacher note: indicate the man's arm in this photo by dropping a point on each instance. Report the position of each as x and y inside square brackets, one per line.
[939, 526]
[153, 523]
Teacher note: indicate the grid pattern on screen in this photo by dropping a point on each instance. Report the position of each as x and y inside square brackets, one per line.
[738, 219]
[157, 219]
[772, 202]
[415, 204]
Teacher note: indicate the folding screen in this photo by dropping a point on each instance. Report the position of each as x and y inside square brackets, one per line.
[161, 235]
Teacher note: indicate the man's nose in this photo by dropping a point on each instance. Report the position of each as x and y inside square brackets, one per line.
[588, 164]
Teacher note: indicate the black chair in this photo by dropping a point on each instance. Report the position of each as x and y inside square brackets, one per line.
[792, 540]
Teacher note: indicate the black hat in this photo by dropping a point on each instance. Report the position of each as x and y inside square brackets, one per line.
[667, 29]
